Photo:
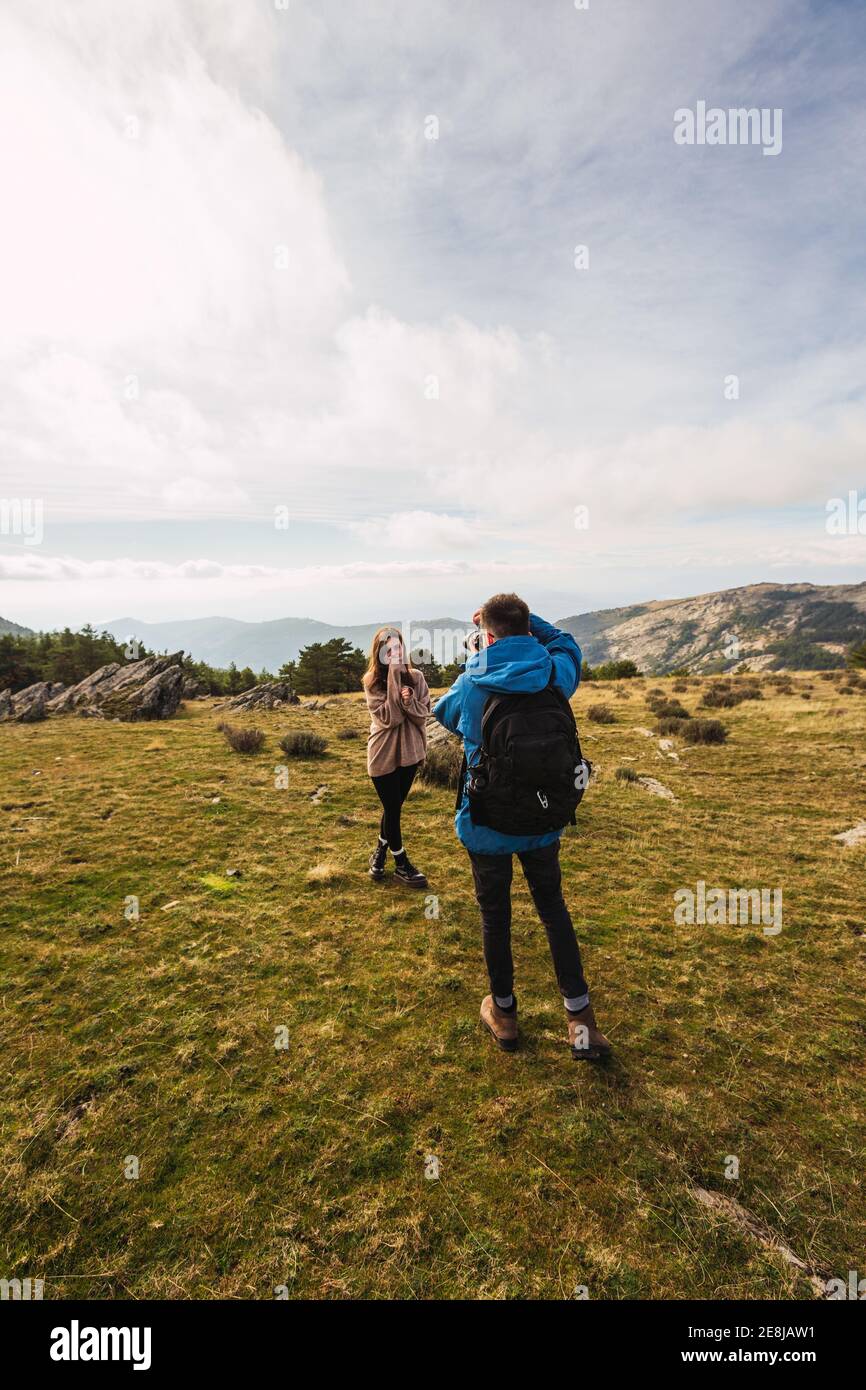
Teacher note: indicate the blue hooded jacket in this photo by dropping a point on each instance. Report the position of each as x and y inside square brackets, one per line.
[520, 665]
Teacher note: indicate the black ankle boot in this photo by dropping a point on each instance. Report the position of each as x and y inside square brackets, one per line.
[405, 872]
[377, 861]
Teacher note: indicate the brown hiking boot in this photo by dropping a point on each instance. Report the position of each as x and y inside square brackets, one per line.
[588, 1043]
[502, 1026]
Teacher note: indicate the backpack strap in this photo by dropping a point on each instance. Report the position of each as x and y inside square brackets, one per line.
[560, 694]
[491, 706]
[464, 767]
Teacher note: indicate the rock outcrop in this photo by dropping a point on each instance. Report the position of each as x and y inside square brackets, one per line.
[30, 705]
[656, 788]
[147, 689]
[855, 836]
[444, 758]
[268, 695]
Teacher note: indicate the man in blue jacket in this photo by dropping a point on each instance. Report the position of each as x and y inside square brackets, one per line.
[519, 654]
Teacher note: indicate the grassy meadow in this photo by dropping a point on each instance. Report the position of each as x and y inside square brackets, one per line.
[301, 1168]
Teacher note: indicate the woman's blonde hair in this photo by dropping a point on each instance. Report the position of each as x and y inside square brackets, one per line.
[374, 674]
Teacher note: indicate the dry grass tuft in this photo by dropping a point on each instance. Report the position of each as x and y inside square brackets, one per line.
[326, 874]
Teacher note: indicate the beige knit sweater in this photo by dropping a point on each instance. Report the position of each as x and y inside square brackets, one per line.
[398, 732]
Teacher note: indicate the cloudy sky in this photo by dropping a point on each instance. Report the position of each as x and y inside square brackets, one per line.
[292, 319]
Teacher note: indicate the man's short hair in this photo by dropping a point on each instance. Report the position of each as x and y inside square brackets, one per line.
[505, 615]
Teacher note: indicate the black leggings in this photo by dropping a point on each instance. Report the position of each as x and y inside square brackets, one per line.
[492, 874]
[393, 788]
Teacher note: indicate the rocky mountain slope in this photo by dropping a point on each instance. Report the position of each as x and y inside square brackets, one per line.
[784, 626]
[15, 629]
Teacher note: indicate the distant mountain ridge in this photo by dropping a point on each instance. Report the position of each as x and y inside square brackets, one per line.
[265, 645]
[798, 626]
[15, 629]
[758, 625]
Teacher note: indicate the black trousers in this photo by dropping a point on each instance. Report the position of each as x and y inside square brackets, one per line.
[492, 874]
[393, 788]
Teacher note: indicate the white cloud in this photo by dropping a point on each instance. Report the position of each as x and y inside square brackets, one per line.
[162, 249]
[234, 274]
[419, 531]
[28, 567]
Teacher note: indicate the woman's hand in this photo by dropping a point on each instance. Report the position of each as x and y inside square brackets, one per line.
[405, 694]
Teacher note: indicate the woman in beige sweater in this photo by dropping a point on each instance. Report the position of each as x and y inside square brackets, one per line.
[399, 703]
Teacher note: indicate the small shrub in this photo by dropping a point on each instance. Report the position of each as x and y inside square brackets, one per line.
[243, 740]
[611, 671]
[347, 733]
[723, 695]
[303, 745]
[680, 686]
[601, 714]
[441, 767]
[669, 724]
[704, 731]
[719, 698]
[625, 774]
[669, 709]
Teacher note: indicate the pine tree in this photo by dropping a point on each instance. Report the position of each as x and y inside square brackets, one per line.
[326, 668]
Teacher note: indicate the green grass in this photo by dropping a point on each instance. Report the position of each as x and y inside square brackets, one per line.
[262, 1166]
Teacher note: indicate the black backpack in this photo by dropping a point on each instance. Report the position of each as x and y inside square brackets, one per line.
[530, 774]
